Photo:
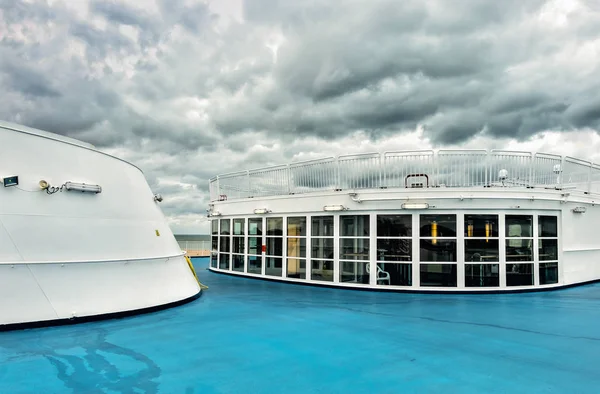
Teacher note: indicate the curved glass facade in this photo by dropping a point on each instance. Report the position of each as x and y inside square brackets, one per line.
[450, 250]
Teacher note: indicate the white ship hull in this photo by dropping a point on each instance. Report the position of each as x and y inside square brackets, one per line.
[72, 254]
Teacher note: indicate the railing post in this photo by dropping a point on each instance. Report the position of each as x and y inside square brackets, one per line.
[562, 172]
[382, 170]
[486, 165]
[218, 188]
[531, 169]
[289, 176]
[249, 193]
[337, 173]
[589, 185]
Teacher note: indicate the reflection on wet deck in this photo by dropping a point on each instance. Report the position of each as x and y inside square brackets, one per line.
[246, 335]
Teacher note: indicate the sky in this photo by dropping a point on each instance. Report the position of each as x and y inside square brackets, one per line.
[187, 90]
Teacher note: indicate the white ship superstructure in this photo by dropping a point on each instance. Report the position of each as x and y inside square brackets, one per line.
[81, 234]
[431, 220]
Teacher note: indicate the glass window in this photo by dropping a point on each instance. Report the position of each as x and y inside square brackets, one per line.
[296, 247]
[238, 245]
[548, 273]
[254, 245]
[438, 225]
[274, 266]
[296, 227]
[322, 270]
[238, 226]
[394, 225]
[322, 248]
[481, 250]
[354, 225]
[485, 226]
[255, 264]
[548, 249]
[275, 226]
[296, 268]
[225, 230]
[214, 259]
[438, 250]
[255, 226]
[355, 272]
[275, 246]
[519, 250]
[394, 249]
[322, 226]
[214, 224]
[482, 275]
[442, 275]
[519, 274]
[238, 263]
[215, 243]
[225, 244]
[547, 226]
[354, 249]
[223, 261]
[519, 226]
[394, 274]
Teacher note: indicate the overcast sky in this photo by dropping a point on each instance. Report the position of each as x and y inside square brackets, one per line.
[188, 89]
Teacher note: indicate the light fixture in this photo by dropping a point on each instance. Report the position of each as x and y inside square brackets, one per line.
[43, 184]
[82, 187]
[333, 208]
[11, 181]
[415, 205]
[579, 210]
[260, 211]
[158, 198]
[214, 213]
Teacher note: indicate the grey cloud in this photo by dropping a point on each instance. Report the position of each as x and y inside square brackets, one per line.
[123, 14]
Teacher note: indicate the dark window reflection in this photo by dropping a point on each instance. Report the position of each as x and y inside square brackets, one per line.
[547, 226]
[275, 246]
[394, 249]
[354, 249]
[255, 264]
[238, 245]
[482, 275]
[481, 250]
[519, 274]
[223, 261]
[355, 272]
[214, 259]
[225, 224]
[214, 225]
[434, 275]
[394, 274]
[322, 248]
[225, 244]
[255, 226]
[238, 263]
[548, 273]
[394, 225]
[438, 225]
[548, 249]
[519, 225]
[354, 225]
[215, 243]
[322, 270]
[438, 250]
[254, 245]
[275, 226]
[274, 266]
[322, 226]
[481, 226]
[519, 250]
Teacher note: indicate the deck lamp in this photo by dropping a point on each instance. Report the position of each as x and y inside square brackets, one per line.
[330, 208]
[260, 211]
[83, 187]
[415, 205]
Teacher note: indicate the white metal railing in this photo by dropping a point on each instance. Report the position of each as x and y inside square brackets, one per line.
[195, 248]
[400, 169]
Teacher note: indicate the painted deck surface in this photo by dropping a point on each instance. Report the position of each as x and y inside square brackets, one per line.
[251, 336]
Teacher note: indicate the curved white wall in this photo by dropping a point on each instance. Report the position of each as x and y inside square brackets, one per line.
[57, 242]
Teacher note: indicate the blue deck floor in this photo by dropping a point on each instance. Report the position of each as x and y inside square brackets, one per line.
[249, 336]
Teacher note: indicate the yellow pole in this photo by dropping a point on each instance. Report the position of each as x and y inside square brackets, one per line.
[488, 230]
[434, 232]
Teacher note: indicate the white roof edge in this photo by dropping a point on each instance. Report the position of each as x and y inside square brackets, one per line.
[60, 138]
